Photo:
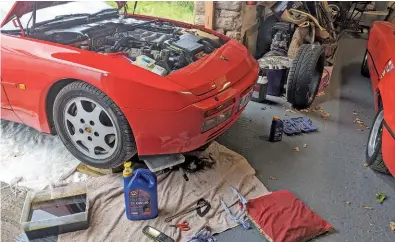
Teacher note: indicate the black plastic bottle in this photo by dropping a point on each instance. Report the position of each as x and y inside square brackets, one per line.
[276, 129]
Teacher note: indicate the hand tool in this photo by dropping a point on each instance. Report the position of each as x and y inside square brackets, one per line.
[184, 226]
[201, 203]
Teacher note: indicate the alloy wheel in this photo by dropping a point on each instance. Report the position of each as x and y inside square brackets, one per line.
[375, 135]
[90, 128]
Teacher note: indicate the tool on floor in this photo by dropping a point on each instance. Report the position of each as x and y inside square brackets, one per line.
[276, 130]
[184, 226]
[242, 218]
[141, 194]
[201, 203]
[156, 235]
[186, 178]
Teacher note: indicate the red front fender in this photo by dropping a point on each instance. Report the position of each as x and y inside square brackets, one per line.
[387, 93]
[388, 150]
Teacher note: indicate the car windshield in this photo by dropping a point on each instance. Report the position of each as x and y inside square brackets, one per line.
[51, 12]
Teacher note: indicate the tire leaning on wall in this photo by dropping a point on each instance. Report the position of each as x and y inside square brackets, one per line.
[305, 75]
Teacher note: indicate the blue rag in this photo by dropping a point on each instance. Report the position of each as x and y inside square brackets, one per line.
[242, 218]
[203, 235]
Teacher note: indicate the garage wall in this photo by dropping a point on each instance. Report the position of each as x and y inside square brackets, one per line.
[227, 17]
[392, 16]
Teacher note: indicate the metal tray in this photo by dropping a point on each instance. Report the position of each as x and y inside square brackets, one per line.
[56, 211]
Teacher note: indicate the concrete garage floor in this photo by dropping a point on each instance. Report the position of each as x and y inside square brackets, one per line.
[330, 171]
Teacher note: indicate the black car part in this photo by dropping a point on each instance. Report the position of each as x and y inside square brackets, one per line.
[282, 33]
[264, 35]
[189, 43]
[304, 76]
[194, 164]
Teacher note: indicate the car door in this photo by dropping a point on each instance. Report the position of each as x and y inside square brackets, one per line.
[24, 78]
[7, 112]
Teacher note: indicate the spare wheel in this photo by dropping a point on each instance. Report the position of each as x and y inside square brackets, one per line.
[305, 75]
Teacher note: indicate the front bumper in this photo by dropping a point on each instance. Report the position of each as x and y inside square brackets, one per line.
[169, 132]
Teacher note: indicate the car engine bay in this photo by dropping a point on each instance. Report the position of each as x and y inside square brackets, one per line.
[155, 45]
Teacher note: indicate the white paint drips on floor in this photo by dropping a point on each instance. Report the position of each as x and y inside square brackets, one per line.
[34, 159]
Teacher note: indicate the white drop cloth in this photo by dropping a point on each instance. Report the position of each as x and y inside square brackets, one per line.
[34, 159]
[108, 221]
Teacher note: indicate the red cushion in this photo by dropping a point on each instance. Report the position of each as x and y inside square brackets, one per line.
[282, 217]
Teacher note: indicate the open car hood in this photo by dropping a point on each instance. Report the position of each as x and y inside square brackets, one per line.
[21, 8]
[217, 71]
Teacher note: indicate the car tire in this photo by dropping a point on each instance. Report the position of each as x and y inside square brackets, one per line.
[92, 126]
[304, 76]
[374, 157]
[364, 66]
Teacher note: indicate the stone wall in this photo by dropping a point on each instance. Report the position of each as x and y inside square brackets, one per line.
[227, 17]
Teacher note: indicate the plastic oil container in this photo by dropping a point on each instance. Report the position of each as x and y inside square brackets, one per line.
[260, 88]
[149, 64]
[276, 130]
[141, 194]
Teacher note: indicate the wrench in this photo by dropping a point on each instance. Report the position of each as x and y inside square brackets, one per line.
[200, 205]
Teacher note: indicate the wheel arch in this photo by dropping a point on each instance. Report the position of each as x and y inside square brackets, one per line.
[378, 101]
[50, 100]
[53, 91]
[388, 140]
[126, 147]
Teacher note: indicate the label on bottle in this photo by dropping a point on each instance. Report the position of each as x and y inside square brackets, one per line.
[140, 203]
[278, 133]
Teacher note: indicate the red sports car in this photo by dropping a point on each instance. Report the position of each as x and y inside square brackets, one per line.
[379, 63]
[112, 84]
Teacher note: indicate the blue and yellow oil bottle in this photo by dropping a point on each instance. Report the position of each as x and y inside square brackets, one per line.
[141, 193]
[276, 130]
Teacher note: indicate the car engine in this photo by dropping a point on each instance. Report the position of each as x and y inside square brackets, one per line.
[155, 45]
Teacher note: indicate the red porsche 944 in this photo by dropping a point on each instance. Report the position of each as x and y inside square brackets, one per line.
[112, 84]
[378, 63]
